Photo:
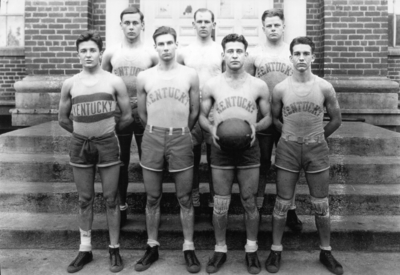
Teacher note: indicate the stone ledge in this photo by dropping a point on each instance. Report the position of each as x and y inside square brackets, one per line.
[12, 51]
[41, 84]
[346, 84]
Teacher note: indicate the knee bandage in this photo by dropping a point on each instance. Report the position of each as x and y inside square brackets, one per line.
[221, 205]
[281, 208]
[320, 206]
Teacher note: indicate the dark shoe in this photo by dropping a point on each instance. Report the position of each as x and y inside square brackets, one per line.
[148, 259]
[124, 218]
[273, 262]
[116, 264]
[327, 259]
[192, 263]
[253, 263]
[293, 222]
[215, 263]
[83, 258]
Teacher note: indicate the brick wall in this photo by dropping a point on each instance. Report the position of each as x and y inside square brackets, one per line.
[355, 38]
[12, 69]
[394, 68]
[315, 30]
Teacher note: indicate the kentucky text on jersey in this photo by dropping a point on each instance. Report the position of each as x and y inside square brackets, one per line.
[302, 106]
[274, 67]
[167, 92]
[235, 101]
[127, 71]
[92, 108]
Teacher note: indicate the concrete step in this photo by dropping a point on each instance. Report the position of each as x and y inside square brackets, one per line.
[352, 138]
[52, 231]
[344, 169]
[62, 198]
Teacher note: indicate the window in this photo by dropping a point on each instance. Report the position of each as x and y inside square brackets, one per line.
[394, 23]
[12, 23]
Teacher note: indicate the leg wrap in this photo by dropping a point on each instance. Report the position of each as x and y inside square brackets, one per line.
[320, 206]
[281, 208]
[221, 205]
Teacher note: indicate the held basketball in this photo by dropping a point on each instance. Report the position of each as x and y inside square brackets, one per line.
[234, 134]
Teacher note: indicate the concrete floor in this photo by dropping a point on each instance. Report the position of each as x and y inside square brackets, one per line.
[54, 262]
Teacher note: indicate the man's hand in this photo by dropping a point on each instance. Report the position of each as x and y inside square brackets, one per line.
[253, 133]
[214, 136]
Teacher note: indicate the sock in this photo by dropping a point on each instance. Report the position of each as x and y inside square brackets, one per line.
[187, 245]
[260, 202]
[276, 247]
[328, 248]
[292, 207]
[196, 197]
[251, 246]
[123, 207]
[86, 240]
[221, 248]
[152, 243]
[114, 246]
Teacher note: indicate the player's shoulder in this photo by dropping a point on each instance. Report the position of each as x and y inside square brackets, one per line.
[68, 83]
[110, 51]
[257, 82]
[213, 82]
[281, 86]
[323, 85]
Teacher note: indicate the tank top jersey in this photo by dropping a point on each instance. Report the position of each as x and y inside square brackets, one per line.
[303, 114]
[93, 107]
[234, 103]
[168, 101]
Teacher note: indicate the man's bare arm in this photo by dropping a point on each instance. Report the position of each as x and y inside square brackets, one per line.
[276, 107]
[207, 102]
[65, 106]
[194, 100]
[106, 61]
[141, 97]
[180, 57]
[264, 104]
[333, 110]
[123, 103]
[249, 64]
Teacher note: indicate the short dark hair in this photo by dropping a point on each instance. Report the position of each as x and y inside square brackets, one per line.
[233, 37]
[90, 35]
[132, 10]
[164, 30]
[273, 13]
[302, 40]
[204, 10]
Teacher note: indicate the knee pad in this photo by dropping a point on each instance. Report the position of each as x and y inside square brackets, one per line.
[281, 207]
[320, 206]
[221, 204]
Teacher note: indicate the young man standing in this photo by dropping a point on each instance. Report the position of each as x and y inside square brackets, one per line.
[91, 98]
[235, 94]
[168, 99]
[127, 60]
[270, 62]
[300, 99]
[203, 55]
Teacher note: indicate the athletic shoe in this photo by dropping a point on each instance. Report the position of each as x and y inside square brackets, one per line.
[124, 218]
[273, 262]
[215, 263]
[116, 264]
[148, 259]
[327, 259]
[293, 222]
[83, 258]
[253, 263]
[192, 263]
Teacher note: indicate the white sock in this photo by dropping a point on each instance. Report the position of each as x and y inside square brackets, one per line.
[276, 247]
[329, 248]
[86, 240]
[114, 246]
[221, 248]
[123, 207]
[152, 243]
[260, 202]
[187, 245]
[251, 246]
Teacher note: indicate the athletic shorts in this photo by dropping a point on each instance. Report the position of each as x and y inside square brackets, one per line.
[241, 159]
[293, 156]
[136, 127]
[173, 145]
[101, 151]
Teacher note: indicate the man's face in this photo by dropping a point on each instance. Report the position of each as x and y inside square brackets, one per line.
[203, 24]
[89, 54]
[273, 28]
[131, 25]
[234, 55]
[302, 57]
[166, 46]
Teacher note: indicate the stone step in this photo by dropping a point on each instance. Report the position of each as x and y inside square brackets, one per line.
[344, 169]
[62, 198]
[352, 138]
[52, 231]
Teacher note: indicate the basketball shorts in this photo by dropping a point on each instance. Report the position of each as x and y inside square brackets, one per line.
[293, 156]
[173, 145]
[241, 159]
[101, 151]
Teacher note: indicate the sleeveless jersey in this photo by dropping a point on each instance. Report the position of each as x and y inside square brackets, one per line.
[303, 114]
[93, 106]
[234, 102]
[168, 101]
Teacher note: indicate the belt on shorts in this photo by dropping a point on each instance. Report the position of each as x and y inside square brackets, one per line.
[170, 130]
[313, 139]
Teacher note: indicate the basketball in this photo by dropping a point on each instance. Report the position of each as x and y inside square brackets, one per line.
[234, 134]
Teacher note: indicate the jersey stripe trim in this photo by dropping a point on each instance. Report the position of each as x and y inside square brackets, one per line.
[92, 97]
[93, 118]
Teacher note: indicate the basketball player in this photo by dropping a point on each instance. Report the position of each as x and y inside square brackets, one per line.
[235, 94]
[126, 60]
[203, 55]
[300, 99]
[168, 98]
[270, 62]
[91, 97]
